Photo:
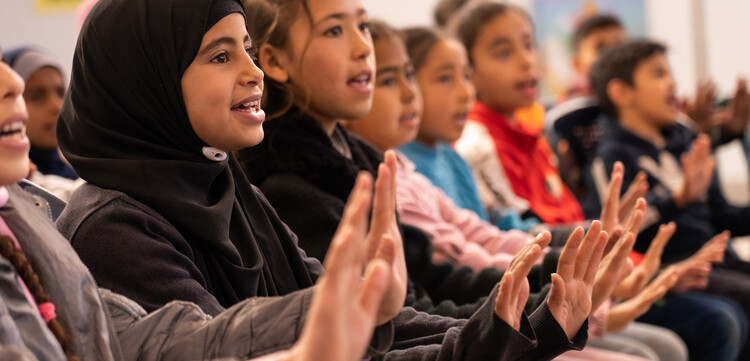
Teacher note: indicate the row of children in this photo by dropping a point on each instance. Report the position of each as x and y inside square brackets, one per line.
[152, 116]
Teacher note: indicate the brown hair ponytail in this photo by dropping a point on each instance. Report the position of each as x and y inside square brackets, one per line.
[16, 257]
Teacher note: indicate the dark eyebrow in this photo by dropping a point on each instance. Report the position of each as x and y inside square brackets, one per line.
[446, 67]
[226, 40]
[390, 69]
[340, 16]
[499, 41]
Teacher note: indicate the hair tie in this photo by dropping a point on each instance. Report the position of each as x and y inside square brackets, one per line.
[47, 310]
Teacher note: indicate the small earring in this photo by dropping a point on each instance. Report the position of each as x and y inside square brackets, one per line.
[214, 154]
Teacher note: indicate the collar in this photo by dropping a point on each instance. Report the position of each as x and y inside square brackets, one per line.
[501, 128]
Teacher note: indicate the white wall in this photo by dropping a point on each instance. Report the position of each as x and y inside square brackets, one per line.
[727, 45]
[21, 24]
[725, 49]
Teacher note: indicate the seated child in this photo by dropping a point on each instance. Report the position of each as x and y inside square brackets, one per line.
[52, 310]
[167, 213]
[636, 90]
[458, 234]
[441, 71]
[44, 94]
[499, 40]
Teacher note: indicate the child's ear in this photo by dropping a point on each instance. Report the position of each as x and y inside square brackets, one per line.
[619, 93]
[274, 63]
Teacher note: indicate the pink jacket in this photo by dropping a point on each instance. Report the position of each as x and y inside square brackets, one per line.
[458, 235]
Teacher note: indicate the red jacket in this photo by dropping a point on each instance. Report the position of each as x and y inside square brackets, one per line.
[530, 166]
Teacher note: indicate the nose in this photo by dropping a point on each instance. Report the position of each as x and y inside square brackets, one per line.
[466, 91]
[408, 91]
[57, 103]
[528, 58]
[361, 44]
[251, 74]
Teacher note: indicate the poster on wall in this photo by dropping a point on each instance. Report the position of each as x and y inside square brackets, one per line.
[47, 6]
[555, 22]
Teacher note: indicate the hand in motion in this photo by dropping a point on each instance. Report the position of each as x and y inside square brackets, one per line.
[570, 297]
[383, 229]
[346, 304]
[698, 169]
[514, 286]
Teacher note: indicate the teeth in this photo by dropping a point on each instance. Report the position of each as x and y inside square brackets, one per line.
[255, 104]
[362, 78]
[13, 127]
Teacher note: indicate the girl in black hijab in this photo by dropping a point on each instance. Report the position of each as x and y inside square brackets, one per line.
[153, 110]
[51, 309]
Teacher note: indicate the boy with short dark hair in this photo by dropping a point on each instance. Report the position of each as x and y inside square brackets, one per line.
[590, 39]
[635, 88]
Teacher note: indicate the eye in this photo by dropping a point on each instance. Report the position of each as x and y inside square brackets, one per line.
[502, 54]
[333, 32]
[445, 79]
[411, 74]
[35, 97]
[387, 81]
[252, 52]
[530, 45]
[364, 27]
[221, 58]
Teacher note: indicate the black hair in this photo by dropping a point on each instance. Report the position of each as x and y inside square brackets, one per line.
[381, 30]
[446, 9]
[592, 24]
[17, 258]
[474, 16]
[620, 62]
[420, 40]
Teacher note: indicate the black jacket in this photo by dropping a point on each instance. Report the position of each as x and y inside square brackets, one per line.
[308, 182]
[699, 221]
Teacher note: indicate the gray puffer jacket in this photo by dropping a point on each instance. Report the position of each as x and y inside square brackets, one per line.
[106, 326]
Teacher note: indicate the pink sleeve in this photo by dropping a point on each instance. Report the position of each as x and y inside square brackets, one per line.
[458, 235]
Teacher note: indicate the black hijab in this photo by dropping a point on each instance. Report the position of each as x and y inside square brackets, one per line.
[124, 126]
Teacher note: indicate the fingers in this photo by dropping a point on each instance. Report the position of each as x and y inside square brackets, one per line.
[358, 204]
[387, 250]
[614, 238]
[384, 203]
[636, 220]
[524, 266]
[347, 244]
[586, 250]
[637, 189]
[611, 205]
[374, 286]
[541, 240]
[567, 261]
[665, 233]
[592, 266]
[557, 294]
[504, 302]
[713, 251]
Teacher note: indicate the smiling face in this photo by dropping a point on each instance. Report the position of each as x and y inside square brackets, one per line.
[329, 62]
[44, 95]
[14, 145]
[505, 63]
[396, 106]
[222, 88]
[447, 92]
